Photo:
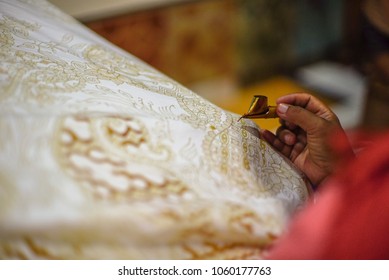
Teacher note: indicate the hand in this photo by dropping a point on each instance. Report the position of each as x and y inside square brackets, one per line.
[304, 134]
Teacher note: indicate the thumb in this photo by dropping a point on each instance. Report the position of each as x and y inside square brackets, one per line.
[297, 115]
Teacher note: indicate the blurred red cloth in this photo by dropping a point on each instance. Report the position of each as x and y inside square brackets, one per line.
[349, 218]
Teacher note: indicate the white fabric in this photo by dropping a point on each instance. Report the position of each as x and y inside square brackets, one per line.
[103, 157]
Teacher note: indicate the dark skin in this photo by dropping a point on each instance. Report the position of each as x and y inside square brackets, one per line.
[306, 127]
[381, 63]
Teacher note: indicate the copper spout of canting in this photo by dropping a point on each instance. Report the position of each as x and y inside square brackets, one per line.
[259, 109]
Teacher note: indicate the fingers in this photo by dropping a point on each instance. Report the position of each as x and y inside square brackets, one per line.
[306, 126]
[289, 125]
[276, 143]
[307, 120]
[298, 148]
[291, 151]
[309, 103]
[286, 136]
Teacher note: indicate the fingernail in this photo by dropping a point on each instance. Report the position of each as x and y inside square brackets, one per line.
[289, 139]
[282, 108]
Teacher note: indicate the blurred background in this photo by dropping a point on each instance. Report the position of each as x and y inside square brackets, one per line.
[229, 50]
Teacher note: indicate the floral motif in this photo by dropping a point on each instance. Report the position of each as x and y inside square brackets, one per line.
[129, 163]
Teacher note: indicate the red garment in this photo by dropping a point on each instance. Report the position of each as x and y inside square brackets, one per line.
[350, 217]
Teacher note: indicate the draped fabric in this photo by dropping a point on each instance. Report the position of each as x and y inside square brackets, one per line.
[103, 157]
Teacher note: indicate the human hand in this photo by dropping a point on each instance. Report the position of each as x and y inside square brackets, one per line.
[304, 134]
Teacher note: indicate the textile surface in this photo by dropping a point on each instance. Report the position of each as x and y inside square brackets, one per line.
[103, 157]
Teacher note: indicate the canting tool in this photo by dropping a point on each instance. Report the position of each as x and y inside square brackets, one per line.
[259, 109]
